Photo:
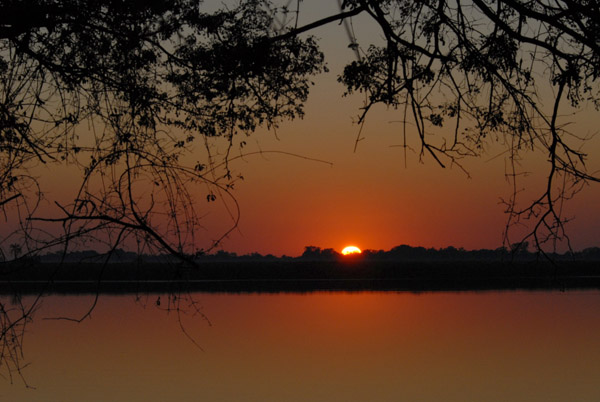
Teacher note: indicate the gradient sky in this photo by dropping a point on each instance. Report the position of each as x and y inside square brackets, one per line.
[374, 198]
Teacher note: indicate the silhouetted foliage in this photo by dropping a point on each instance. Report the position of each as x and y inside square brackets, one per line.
[477, 67]
[82, 271]
[402, 253]
[119, 89]
[316, 253]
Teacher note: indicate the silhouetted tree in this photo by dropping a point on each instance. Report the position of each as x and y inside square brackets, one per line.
[15, 250]
[329, 254]
[311, 252]
[478, 67]
[119, 89]
[316, 253]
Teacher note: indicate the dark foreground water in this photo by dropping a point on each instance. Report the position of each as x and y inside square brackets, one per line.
[364, 346]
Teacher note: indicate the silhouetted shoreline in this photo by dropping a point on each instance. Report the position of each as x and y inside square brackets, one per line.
[299, 276]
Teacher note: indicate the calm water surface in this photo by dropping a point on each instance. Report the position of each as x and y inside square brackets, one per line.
[369, 346]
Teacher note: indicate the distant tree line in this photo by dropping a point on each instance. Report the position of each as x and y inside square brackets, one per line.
[519, 251]
[403, 252]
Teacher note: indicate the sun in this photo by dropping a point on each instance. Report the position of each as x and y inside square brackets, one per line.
[351, 250]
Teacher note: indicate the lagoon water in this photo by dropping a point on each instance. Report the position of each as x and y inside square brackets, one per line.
[323, 346]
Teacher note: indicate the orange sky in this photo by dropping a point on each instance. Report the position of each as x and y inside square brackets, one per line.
[373, 198]
[369, 198]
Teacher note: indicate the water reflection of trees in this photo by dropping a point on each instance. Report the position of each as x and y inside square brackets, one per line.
[19, 311]
[121, 91]
[15, 316]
